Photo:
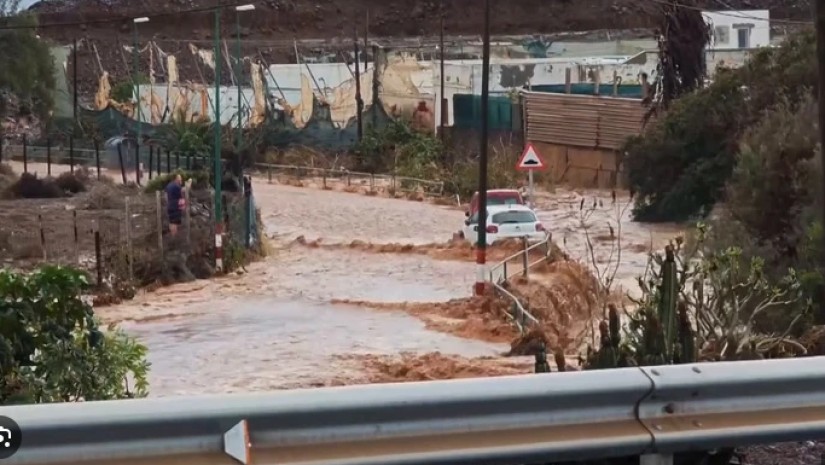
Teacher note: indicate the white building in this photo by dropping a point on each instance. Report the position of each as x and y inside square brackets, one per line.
[740, 29]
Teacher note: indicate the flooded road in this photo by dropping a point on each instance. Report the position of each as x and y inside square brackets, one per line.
[619, 245]
[248, 344]
[275, 326]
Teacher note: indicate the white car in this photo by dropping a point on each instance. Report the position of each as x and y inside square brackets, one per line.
[507, 222]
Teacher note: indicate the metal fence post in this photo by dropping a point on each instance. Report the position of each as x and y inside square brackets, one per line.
[525, 256]
[151, 160]
[25, 155]
[49, 157]
[98, 259]
[71, 155]
[122, 165]
[159, 215]
[137, 163]
[187, 210]
[177, 159]
[97, 158]
[168, 161]
[42, 237]
[129, 255]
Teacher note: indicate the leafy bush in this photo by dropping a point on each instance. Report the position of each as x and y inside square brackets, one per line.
[400, 149]
[680, 165]
[51, 348]
[29, 186]
[28, 67]
[70, 182]
[200, 180]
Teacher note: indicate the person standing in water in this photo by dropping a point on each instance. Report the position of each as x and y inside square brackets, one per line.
[175, 203]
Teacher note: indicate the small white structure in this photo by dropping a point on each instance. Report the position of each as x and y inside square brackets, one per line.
[739, 29]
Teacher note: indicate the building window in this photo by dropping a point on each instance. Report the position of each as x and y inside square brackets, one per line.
[721, 35]
[744, 37]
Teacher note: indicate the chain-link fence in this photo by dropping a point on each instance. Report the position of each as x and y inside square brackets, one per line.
[119, 159]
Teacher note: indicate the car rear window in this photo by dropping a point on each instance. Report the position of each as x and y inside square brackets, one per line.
[502, 201]
[514, 217]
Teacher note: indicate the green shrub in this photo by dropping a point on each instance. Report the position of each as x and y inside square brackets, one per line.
[51, 347]
[200, 180]
[680, 165]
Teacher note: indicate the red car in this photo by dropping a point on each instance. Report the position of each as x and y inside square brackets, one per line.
[496, 197]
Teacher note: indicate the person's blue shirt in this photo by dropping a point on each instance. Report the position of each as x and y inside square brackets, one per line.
[173, 195]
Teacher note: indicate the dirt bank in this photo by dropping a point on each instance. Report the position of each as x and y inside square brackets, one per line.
[437, 366]
[563, 298]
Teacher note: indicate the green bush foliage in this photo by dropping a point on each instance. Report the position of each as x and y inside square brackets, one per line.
[51, 346]
[27, 70]
[679, 167]
[200, 180]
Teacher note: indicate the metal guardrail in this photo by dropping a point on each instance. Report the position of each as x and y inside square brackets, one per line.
[397, 183]
[653, 412]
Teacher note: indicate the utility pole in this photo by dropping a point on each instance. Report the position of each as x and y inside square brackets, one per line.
[238, 73]
[136, 79]
[74, 81]
[359, 102]
[216, 152]
[819, 13]
[442, 103]
[481, 251]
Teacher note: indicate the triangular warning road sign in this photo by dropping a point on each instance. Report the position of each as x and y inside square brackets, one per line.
[530, 160]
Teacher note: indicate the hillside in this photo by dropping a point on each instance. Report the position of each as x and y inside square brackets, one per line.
[322, 28]
[279, 20]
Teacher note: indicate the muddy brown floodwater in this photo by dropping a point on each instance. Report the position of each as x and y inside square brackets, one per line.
[281, 324]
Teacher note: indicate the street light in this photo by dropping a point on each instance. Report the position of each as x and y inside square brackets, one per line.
[136, 82]
[238, 71]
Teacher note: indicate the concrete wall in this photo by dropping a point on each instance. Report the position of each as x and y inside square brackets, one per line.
[739, 29]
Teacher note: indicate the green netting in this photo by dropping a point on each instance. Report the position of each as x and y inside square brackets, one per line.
[467, 112]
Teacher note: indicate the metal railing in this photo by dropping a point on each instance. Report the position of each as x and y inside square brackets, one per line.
[653, 412]
[396, 183]
[499, 272]
[518, 315]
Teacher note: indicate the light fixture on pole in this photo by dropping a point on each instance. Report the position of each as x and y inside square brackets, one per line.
[136, 84]
[238, 71]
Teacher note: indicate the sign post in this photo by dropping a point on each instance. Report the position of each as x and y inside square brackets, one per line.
[530, 161]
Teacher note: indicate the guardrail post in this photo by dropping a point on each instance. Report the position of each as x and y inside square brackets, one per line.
[324, 178]
[505, 271]
[656, 459]
[269, 174]
[525, 260]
